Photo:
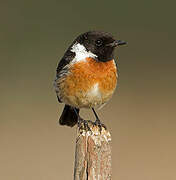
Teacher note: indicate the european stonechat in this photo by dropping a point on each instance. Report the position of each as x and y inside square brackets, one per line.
[86, 76]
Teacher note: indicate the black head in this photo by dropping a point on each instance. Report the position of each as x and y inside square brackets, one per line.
[102, 44]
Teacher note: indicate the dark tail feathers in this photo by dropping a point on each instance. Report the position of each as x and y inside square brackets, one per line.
[69, 116]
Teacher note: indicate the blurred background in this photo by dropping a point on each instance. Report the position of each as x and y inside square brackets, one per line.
[141, 115]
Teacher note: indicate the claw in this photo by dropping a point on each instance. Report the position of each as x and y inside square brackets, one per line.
[100, 125]
[83, 124]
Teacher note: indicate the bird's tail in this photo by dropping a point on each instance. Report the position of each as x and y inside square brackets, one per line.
[69, 117]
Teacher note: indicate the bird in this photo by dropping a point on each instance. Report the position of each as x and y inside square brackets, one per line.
[86, 76]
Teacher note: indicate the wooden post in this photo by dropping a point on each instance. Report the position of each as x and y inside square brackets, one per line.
[93, 154]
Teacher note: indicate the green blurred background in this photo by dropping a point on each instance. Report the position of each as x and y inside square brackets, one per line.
[141, 115]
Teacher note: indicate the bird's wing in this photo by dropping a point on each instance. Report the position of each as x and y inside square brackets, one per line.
[68, 56]
[62, 69]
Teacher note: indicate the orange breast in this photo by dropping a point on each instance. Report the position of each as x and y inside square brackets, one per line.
[86, 73]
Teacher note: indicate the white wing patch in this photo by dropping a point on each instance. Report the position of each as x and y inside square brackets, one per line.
[81, 53]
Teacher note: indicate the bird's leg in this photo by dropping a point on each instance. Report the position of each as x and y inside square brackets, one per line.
[82, 121]
[79, 118]
[97, 121]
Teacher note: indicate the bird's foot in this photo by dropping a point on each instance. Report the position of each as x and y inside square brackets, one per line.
[83, 124]
[99, 124]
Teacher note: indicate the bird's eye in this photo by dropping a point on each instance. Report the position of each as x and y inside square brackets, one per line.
[98, 42]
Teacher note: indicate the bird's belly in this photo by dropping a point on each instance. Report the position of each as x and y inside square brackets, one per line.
[89, 83]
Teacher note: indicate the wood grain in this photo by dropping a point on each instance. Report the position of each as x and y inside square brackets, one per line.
[93, 154]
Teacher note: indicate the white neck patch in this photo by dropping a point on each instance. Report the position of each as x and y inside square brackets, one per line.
[81, 53]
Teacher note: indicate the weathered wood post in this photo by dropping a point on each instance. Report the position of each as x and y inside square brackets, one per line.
[92, 154]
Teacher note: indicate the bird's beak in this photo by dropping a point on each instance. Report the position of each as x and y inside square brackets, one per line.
[117, 43]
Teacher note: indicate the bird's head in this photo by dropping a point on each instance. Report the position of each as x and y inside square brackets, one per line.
[98, 43]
